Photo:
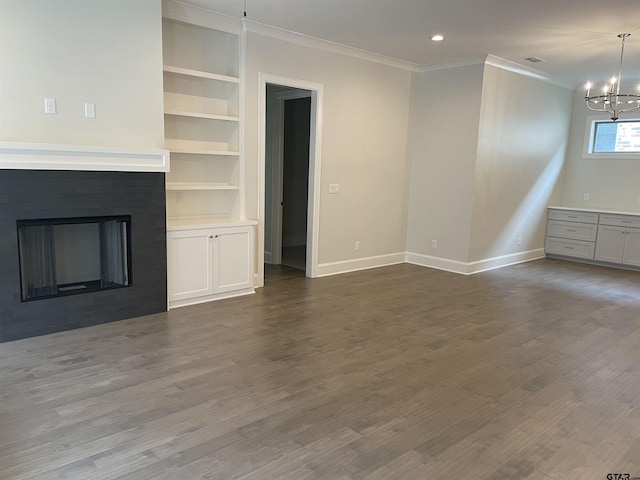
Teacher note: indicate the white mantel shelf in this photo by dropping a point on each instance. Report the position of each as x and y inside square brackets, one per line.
[49, 156]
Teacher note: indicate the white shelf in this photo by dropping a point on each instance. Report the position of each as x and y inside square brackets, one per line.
[215, 153]
[195, 151]
[198, 148]
[207, 116]
[200, 74]
[201, 186]
[185, 223]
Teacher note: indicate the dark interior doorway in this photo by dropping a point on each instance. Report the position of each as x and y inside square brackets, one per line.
[288, 132]
[295, 182]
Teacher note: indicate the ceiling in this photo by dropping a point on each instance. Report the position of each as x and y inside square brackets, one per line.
[576, 38]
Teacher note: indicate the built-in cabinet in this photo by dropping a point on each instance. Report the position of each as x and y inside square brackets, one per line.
[571, 233]
[594, 236]
[619, 240]
[209, 263]
[210, 242]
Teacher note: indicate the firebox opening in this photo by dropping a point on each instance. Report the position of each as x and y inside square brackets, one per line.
[68, 256]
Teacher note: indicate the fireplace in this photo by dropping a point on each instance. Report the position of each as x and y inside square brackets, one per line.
[94, 284]
[68, 256]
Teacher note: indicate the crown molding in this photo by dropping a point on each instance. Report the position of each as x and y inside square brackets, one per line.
[325, 45]
[193, 14]
[494, 62]
[524, 70]
[465, 62]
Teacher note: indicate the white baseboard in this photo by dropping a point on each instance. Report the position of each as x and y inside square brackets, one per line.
[437, 263]
[335, 268]
[209, 298]
[469, 268]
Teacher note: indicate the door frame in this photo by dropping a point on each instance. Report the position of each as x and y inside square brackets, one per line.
[315, 158]
[277, 185]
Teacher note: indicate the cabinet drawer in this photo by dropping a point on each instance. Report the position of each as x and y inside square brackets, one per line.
[569, 248]
[573, 216]
[574, 231]
[620, 220]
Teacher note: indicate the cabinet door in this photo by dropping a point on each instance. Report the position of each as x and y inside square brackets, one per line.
[632, 247]
[232, 259]
[610, 244]
[189, 264]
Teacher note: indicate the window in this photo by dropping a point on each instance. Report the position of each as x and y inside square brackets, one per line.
[613, 139]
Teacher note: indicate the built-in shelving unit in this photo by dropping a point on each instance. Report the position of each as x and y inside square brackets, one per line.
[202, 122]
[210, 242]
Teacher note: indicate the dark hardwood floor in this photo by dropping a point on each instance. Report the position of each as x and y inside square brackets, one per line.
[527, 372]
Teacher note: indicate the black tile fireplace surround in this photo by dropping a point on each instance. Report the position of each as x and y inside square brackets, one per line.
[37, 194]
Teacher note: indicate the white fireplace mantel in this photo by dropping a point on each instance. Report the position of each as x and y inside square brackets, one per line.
[49, 156]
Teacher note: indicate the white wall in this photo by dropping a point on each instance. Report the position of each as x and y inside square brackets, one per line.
[444, 138]
[366, 112]
[487, 152]
[486, 145]
[522, 140]
[611, 184]
[104, 52]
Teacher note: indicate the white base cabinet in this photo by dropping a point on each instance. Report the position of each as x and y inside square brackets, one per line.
[619, 240]
[603, 237]
[232, 259]
[610, 244]
[209, 263]
[190, 264]
[571, 234]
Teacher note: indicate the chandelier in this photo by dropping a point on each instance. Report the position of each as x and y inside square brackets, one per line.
[611, 101]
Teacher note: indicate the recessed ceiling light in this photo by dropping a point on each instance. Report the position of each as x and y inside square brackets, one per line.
[437, 38]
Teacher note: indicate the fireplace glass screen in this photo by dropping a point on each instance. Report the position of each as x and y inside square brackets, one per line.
[66, 256]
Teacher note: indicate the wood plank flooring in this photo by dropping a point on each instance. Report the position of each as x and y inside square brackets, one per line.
[527, 372]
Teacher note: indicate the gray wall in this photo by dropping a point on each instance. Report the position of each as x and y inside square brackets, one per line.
[108, 53]
[487, 155]
[364, 144]
[610, 183]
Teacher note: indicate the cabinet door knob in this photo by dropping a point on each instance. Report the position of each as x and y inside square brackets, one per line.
[210, 236]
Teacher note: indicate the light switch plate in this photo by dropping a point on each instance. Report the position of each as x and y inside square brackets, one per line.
[89, 110]
[334, 188]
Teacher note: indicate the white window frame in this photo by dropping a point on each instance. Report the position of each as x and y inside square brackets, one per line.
[588, 141]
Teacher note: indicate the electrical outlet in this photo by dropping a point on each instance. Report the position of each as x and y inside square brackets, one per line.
[519, 241]
[639, 200]
[434, 244]
[357, 246]
[585, 196]
[179, 197]
[50, 106]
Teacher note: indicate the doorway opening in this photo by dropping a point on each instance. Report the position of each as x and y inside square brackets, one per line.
[287, 176]
[288, 243]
